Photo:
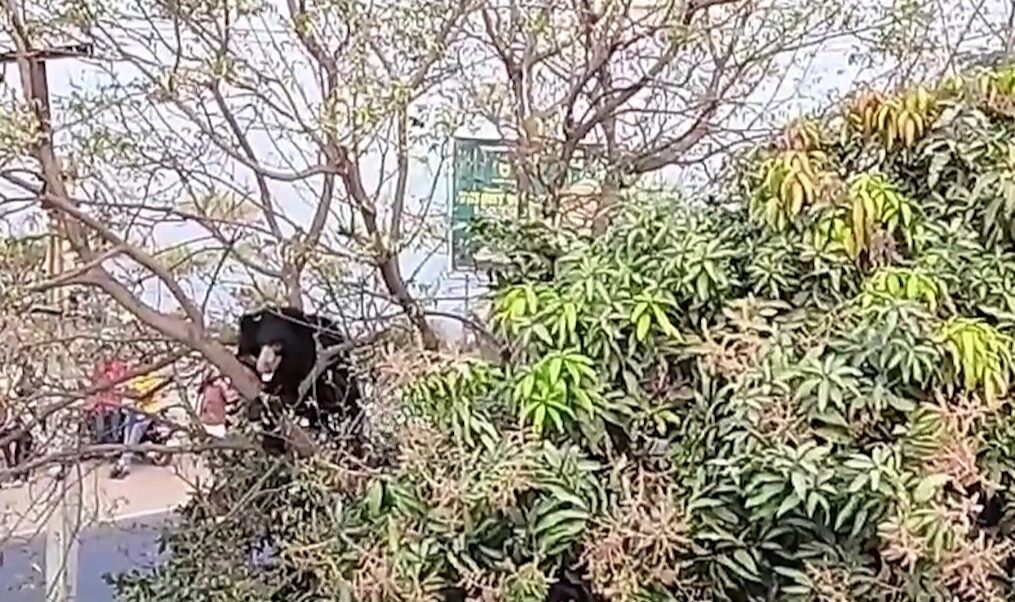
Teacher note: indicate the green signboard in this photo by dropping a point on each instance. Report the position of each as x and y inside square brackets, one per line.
[484, 185]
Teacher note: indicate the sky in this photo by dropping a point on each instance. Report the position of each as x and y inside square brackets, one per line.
[806, 86]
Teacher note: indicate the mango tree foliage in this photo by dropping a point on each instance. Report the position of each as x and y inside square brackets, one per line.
[802, 392]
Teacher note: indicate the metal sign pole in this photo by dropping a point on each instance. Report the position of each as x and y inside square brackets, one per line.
[64, 522]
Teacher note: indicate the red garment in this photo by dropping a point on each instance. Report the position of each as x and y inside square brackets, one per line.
[108, 372]
[214, 397]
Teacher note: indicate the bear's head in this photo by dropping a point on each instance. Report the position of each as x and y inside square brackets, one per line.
[278, 344]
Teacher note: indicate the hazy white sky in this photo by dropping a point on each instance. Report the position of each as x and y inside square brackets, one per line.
[805, 86]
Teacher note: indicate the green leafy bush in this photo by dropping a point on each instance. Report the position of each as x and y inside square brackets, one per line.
[799, 394]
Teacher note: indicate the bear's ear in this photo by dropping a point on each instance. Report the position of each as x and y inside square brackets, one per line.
[248, 320]
[248, 328]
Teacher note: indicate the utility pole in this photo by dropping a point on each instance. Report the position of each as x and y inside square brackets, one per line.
[64, 522]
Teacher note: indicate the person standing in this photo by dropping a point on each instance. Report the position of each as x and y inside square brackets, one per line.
[18, 443]
[216, 394]
[104, 406]
[16, 439]
[149, 401]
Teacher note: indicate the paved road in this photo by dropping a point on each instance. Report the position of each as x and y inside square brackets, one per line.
[110, 548]
[121, 519]
[148, 489]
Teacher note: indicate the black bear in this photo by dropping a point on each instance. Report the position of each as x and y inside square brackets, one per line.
[281, 346]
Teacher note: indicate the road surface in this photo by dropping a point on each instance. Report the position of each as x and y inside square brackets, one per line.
[110, 548]
[119, 527]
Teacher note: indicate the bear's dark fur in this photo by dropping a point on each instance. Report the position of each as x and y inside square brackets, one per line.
[293, 340]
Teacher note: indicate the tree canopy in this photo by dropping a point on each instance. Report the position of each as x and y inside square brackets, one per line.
[799, 391]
